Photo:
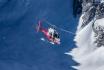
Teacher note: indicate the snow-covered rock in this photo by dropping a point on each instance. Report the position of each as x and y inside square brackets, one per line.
[89, 51]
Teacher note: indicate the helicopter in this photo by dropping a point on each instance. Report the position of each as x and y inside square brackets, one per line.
[50, 33]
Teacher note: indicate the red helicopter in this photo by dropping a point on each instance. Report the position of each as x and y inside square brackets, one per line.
[50, 33]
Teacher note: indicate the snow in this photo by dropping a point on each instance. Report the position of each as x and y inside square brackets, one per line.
[102, 1]
[100, 22]
[86, 53]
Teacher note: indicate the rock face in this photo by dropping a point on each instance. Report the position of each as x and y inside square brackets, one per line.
[92, 11]
[90, 36]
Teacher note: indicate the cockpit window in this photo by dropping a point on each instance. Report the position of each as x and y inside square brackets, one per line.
[56, 35]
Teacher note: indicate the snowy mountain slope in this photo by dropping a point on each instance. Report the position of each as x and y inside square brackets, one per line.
[89, 38]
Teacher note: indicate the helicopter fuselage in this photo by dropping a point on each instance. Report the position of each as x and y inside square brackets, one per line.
[49, 37]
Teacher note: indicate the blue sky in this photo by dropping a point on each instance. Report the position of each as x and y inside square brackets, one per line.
[20, 44]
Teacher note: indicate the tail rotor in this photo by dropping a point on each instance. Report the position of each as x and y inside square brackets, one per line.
[38, 26]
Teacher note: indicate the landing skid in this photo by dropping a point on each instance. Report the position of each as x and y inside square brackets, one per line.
[44, 40]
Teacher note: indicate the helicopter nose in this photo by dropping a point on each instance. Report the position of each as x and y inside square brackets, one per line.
[58, 41]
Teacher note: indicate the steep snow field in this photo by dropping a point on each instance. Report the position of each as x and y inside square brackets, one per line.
[87, 54]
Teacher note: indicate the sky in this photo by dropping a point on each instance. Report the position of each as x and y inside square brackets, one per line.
[20, 44]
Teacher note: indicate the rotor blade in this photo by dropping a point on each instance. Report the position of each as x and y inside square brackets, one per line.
[47, 22]
[38, 26]
[66, 31]
[59, 28]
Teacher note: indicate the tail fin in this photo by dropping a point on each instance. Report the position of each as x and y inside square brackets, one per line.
[38, 26]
